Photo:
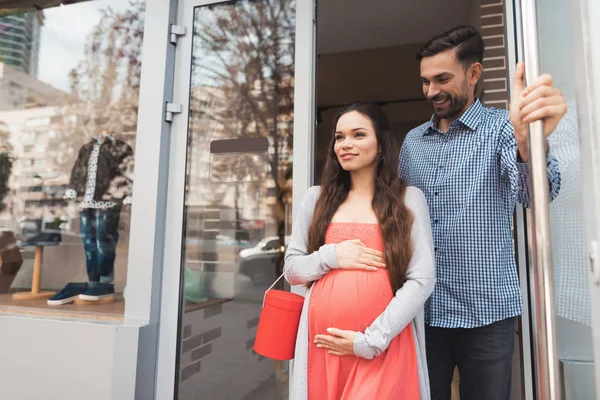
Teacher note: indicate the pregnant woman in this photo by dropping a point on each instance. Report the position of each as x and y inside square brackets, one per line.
[362, 244]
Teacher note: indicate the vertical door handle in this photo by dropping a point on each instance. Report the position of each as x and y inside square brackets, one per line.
[547, 365]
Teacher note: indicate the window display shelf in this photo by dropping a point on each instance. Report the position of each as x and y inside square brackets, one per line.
[113, 311]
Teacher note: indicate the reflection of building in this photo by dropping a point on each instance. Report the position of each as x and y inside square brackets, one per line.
[20, 91]
[212, 119]
[20, 41]
[37, 182]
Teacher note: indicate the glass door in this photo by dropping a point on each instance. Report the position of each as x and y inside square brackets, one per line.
[563, 336]
[231, 185]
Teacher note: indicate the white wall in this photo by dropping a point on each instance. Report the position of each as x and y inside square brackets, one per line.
[63, 360]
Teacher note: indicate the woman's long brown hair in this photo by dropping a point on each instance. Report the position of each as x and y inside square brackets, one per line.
[395, 219]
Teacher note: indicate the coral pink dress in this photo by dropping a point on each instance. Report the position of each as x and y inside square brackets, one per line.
[352, 300]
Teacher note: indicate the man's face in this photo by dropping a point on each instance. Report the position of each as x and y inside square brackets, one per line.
[447, 85]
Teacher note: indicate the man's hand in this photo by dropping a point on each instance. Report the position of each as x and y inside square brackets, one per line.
[539, 101]
[338, 342]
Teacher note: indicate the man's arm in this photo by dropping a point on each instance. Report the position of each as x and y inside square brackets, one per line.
[517, 171]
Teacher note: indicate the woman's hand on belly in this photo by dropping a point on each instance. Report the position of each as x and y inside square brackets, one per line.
[353, 254]
[338, 342]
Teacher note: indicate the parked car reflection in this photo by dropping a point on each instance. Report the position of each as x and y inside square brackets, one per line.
[41, 232]
[227, 241]
[222, 248]
[259, 263]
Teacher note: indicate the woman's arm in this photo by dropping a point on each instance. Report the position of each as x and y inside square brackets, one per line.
[300, 267]
[410, 298]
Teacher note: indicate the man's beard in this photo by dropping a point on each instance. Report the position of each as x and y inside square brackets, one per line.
[457, 104]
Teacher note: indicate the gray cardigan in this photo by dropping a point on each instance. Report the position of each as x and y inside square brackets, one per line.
[406, 306]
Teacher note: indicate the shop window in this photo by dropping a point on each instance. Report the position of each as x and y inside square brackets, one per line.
[66, 171]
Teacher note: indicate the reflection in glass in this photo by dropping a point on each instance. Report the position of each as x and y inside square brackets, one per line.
[68, 115]
[573, 323]
[239, 167]
[238, 195]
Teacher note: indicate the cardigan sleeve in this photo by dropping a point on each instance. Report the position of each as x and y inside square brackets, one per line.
[410, 299]
[300, 267]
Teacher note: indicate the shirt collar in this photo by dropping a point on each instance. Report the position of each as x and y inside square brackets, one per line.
[102, 139]
[470, 118]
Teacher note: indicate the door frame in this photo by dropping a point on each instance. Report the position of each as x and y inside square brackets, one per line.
[521, 221]
[172, 283]
[305, 120]
[303, 153]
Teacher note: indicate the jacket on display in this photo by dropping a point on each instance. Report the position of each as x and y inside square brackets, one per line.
[112, 181]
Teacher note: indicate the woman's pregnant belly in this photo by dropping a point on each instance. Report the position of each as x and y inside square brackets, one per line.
[348, 299]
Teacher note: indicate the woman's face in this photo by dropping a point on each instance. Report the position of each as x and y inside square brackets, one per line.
[356, 144]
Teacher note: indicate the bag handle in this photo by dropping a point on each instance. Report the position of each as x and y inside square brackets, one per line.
[271, 287]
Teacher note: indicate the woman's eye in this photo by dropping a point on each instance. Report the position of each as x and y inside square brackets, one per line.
[359, 134]
[338, 137]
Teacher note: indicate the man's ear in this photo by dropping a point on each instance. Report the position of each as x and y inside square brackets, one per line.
[474, 73]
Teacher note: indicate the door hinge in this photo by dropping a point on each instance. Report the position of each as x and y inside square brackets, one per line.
[176, 31]
[170, 109]
[594, 260]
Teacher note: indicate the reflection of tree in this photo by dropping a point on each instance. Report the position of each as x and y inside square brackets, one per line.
[105, 83]
[243, 70]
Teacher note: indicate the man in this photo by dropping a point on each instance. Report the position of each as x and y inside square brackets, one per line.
[471, 163]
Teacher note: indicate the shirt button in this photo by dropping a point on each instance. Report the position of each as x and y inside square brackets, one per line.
[441, 167]
[435, 249]
[435, 221]
[436, 193]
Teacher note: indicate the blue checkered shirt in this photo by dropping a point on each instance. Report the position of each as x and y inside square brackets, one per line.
[472, 182]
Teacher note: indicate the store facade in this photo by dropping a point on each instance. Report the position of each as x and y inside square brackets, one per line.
[150, 287]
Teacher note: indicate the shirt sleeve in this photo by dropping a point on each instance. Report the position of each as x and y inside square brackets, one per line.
[410, 299]
[300, 267]
[518, 172]
[126, 168]
[403, 162]
[76, 171]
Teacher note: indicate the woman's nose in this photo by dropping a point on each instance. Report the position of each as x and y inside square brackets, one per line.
[347, 143]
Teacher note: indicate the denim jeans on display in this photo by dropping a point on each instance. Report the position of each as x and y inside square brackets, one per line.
[100, 233]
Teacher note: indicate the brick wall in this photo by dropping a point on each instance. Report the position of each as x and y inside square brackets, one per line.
[495, 61]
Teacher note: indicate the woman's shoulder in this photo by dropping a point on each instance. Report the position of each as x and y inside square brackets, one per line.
[415, 199]
[313, 191]
[310, 197]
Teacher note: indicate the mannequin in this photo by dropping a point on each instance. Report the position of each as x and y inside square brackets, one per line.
[100, 182]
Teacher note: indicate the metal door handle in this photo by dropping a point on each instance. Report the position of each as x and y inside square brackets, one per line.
[547, 365]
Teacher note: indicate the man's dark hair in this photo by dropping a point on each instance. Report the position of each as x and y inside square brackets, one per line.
[465, 39]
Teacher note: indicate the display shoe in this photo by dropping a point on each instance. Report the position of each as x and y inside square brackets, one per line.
[98, 291]
[68, 294]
